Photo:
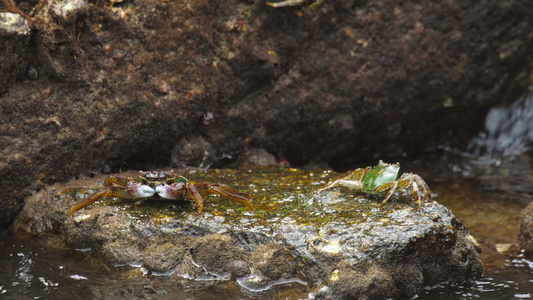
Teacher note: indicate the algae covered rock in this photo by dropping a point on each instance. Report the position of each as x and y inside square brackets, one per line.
[333, 243]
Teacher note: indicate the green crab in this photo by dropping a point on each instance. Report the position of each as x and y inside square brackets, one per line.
[166, 185]
[381, 180]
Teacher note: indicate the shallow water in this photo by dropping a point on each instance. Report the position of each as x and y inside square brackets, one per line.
[487, 198]
[493, 220]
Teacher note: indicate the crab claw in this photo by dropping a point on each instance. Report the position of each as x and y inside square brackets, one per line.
[140, 190]
[172, 192]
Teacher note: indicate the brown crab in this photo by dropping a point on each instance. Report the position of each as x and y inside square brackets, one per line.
[166, 185]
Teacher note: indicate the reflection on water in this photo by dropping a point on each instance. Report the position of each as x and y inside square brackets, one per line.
[28, 270]
[486, 198]
[36, 272]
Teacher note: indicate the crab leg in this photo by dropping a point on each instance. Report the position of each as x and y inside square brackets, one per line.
[193, 192]
[185, 189]
[419, 187]
[88, 201]
[391, 186]
[416, 193]
[179, 190]
[227, 192]
[354, 181]
[131, 190]
[117, 180]
[285, 3]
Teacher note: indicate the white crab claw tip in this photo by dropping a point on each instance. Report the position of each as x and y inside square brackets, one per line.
[162, 190]
[145, 191]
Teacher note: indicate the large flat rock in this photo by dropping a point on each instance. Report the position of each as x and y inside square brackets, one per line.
[337, 243]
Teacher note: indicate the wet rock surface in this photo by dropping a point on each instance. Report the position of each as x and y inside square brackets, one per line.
[96, 86]
[333, 243]
[525, 236]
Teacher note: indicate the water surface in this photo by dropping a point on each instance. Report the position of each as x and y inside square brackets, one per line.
[487, 198]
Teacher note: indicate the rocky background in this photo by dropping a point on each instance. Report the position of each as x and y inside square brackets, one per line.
[90, 87]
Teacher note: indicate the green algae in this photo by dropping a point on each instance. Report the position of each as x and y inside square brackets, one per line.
[279, 193]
